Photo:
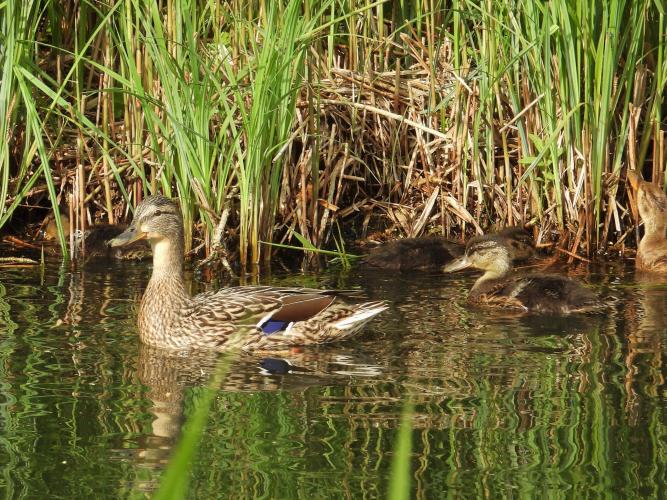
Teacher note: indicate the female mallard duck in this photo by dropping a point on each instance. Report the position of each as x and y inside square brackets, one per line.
[96, 240]
[431, 253]
[652, 205]
[248, 317]
[500, 287]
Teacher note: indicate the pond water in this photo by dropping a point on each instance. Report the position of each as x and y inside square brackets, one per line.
[504, 405]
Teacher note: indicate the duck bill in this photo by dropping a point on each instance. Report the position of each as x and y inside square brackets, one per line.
[458, 264]
[130, 235]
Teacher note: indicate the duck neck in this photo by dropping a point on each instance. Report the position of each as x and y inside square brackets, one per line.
[499, 270]
[167, 278]
[165, 295]
[167, 259]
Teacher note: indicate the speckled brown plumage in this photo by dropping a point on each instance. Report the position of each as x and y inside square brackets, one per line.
[652, 206]
[239, 317]
[500, 287]
[430, 253]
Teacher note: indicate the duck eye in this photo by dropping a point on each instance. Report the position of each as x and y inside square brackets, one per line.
[158, 213]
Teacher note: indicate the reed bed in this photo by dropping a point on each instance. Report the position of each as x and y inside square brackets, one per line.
[268, 119]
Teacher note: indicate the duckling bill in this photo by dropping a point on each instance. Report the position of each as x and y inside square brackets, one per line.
[245, 317]
[500, 287]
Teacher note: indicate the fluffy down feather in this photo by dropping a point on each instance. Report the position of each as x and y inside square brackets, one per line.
[540, 293]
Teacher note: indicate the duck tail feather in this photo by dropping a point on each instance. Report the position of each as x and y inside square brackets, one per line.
[362, 315]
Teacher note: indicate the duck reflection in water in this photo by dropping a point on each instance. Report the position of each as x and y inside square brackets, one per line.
[646, 314]
[169, 376]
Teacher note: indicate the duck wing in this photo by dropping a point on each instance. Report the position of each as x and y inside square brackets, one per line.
[258, 317]
[249, 305]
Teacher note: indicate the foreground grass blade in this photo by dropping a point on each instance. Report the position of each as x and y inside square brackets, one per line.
[400, 479]
[176, 477]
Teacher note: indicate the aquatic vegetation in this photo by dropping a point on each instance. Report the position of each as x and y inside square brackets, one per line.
[266, 118]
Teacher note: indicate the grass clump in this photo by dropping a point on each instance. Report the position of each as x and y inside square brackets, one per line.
[291, 116]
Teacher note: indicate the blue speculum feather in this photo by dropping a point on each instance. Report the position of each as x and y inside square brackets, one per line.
[272, 326]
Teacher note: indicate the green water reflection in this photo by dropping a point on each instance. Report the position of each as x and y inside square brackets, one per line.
[504, 405]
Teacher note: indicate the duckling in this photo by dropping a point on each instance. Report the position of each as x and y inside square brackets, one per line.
[500, 287]
[652, 206]
[96, 238]
[431, 253]
[246, 317]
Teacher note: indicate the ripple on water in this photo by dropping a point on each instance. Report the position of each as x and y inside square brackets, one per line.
[503, 404]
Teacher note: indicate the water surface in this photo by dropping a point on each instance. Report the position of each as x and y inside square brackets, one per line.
[505, 405]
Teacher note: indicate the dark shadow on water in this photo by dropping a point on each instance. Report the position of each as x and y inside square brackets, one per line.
[575, 324]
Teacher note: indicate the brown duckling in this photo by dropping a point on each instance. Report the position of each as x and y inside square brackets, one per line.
[500, 287]
[652, 206]
[430, 253]
[96, 240]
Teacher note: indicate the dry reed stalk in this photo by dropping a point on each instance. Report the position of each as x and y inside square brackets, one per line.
[386, 129]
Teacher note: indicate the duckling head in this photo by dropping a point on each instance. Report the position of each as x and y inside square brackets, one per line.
[487, 253]
[158, 220]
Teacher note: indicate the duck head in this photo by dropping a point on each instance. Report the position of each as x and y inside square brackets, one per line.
[487, 253]
[158, 220]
